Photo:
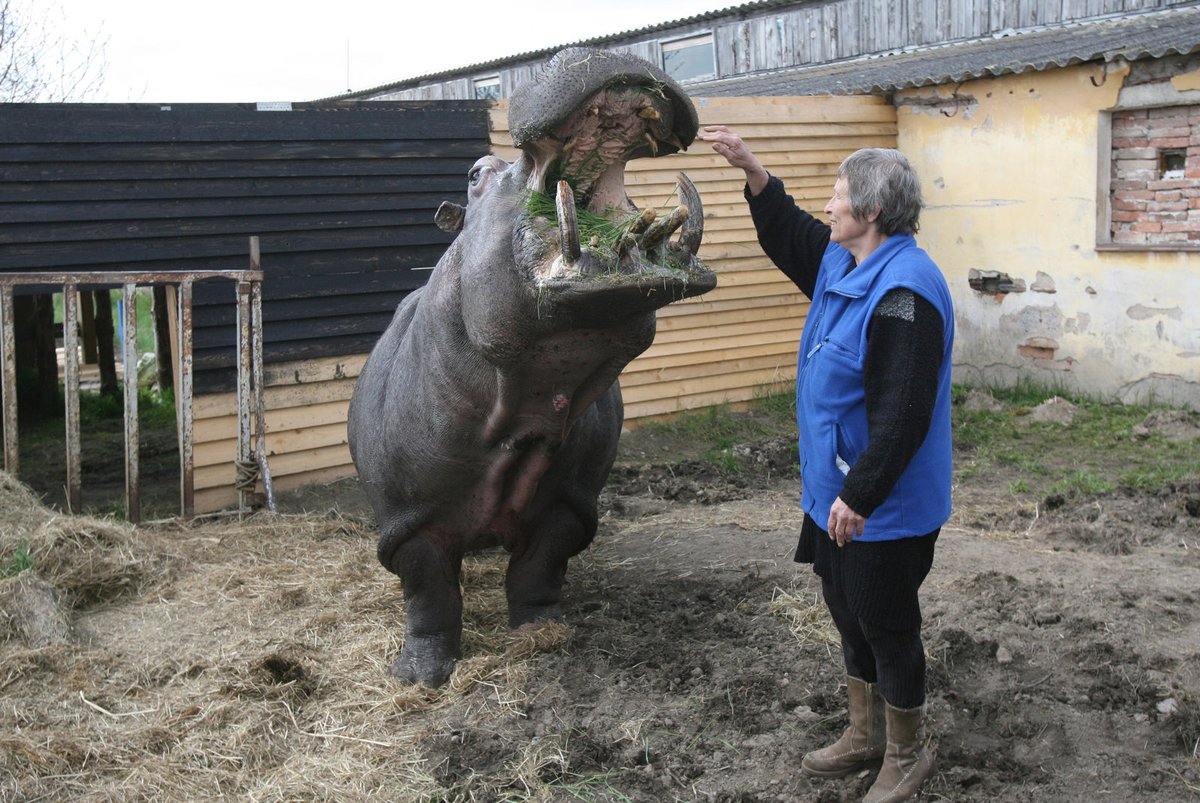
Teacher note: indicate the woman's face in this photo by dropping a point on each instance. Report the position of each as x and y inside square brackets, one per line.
[845, 229]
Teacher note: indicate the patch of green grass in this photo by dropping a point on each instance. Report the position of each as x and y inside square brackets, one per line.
[1021, 460]
[1094, 453]
[724, 459]
[100, 406]
[1081, 484]
[592, 786]
[719, 426]
[1179, 462]
[154, 409]
[779, 404]
[16, 561]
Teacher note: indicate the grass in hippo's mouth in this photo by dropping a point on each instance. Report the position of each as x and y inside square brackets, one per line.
[606, 231]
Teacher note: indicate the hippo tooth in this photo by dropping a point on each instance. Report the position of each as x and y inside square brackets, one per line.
[643, 221]
[627, 249]
[663, 229]
[568, 227]
[693, 227]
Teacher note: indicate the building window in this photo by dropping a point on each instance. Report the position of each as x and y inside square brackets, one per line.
[1154, 178]
[487, 88]
[690, 59]
[1172, 163]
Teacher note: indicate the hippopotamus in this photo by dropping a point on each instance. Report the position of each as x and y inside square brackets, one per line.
[488, 413]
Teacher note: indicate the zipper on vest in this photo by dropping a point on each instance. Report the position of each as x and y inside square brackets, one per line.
[815, 349]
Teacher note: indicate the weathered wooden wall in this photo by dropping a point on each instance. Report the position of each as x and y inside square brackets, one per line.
[306, 429]
[749, 39]
[730, 345]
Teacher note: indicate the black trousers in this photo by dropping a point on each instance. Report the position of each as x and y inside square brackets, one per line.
[870, 589]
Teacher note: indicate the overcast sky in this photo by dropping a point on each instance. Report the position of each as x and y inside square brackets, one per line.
[224, 51]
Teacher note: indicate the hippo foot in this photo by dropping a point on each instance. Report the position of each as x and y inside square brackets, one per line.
[531, 615]
[426, 662]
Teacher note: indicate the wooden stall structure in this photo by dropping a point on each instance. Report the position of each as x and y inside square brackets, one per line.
[340, 196]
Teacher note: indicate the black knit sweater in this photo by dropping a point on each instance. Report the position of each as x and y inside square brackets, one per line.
[904, 349]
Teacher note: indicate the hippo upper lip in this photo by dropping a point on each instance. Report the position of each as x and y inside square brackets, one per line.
[619, 110]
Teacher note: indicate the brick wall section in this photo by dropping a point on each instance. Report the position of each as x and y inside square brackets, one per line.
[1148, 209]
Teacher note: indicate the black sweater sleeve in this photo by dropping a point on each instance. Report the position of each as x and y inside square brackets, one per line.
[904, 355]
[793, 239]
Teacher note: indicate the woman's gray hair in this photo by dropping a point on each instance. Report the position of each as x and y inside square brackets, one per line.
[882, 179]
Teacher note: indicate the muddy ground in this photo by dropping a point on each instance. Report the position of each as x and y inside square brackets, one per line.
[246, 659]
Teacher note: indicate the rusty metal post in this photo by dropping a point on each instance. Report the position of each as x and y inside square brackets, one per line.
[8, 355]
[246, 465]
[71, 393]
[133, 500]
[187, 463]
[259, 402]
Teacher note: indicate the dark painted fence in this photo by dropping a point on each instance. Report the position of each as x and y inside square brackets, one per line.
[341, 195]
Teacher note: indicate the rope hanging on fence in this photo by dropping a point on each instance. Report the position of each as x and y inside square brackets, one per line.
[247, 475]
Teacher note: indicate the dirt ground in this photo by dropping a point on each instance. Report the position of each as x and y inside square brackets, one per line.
[246, 659]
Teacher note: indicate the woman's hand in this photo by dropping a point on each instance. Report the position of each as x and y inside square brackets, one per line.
[729, 145]
[844, 523]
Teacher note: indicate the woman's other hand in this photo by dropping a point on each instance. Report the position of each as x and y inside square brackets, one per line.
[844, 524]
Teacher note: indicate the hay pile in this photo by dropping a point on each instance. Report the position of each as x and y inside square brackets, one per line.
[50, 563]
[233, 658]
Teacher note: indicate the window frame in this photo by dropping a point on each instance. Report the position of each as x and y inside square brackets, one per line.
[486, 81]
[683, 42]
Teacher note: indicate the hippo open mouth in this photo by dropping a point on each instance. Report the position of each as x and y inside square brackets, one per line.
[593, 113]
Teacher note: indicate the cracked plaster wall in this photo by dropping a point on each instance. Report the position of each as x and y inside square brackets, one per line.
[1009, 169]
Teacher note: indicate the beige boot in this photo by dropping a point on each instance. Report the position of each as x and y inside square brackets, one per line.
[907, 762]
[861, 742]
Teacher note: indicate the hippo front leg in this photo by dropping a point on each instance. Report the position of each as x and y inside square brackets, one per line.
[433, 603]
[537, 571]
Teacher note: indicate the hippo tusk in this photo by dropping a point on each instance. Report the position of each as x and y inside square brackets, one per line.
[693, 227]
[568, 227]
[663, 229]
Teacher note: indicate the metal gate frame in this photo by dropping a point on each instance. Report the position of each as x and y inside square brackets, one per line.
[251, 461]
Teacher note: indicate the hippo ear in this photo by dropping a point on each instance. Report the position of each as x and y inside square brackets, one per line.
[449, 217]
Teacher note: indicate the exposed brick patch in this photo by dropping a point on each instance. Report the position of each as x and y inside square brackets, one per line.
[1148, 206]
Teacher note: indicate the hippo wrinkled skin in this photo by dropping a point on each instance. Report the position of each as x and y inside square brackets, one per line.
[489, 412]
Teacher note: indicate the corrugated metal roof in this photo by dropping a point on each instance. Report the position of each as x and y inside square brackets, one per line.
[1131, 37]
[597, 41]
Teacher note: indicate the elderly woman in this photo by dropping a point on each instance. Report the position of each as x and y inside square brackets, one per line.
[873, 407]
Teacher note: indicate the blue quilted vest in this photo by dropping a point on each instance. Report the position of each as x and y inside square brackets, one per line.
[831, 401]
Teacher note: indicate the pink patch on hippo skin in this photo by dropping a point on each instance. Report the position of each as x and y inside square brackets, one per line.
[561, 403]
